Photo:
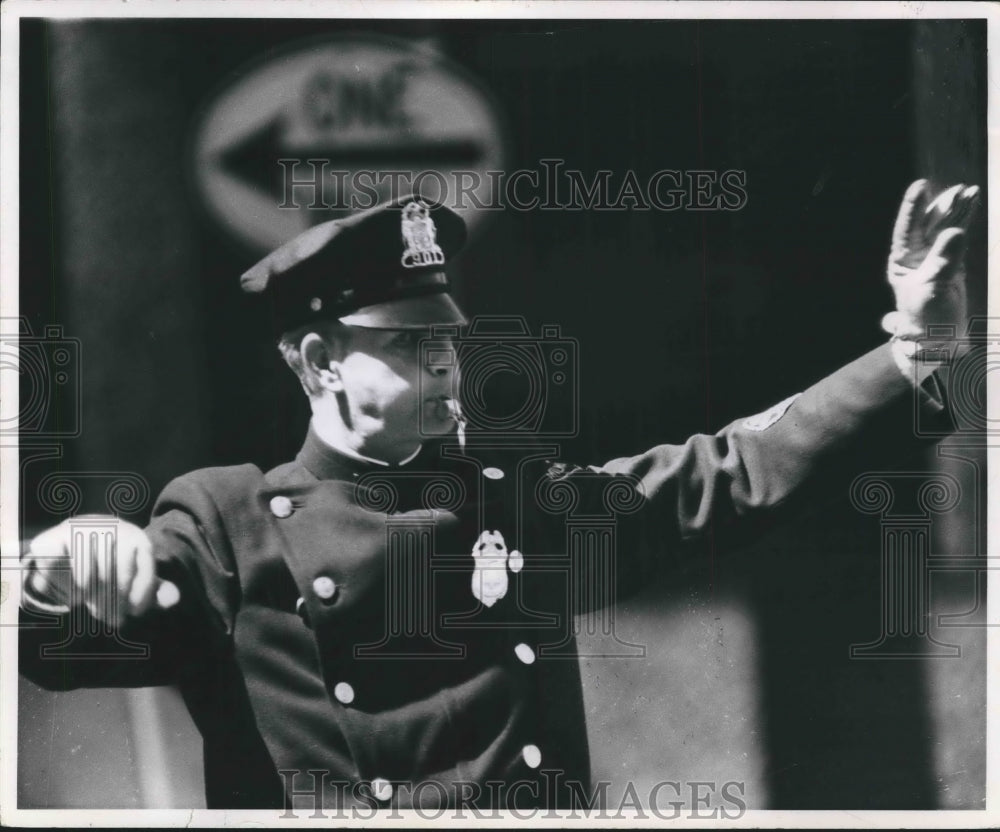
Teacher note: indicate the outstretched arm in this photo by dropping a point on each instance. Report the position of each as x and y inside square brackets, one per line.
[861, 416]
[107, 604]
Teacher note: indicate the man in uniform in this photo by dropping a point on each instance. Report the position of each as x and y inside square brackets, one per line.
[385, 620]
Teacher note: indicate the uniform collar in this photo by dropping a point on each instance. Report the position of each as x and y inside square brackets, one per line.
[327, 463]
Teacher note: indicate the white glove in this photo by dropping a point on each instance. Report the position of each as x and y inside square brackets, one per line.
[926, 266]
[112, 585]
[927, 273]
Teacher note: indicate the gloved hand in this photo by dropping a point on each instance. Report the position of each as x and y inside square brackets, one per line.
[926, 267]
[112, 585]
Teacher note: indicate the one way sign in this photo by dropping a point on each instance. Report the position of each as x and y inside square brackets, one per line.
[325, 129]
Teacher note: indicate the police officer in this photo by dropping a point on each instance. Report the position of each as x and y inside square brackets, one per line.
[384, 620]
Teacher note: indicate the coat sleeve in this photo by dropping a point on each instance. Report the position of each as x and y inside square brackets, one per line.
[752, 472]
[191, 548]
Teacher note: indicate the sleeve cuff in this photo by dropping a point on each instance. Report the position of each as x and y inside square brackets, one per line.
[914, 360]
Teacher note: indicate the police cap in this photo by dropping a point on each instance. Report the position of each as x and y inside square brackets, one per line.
[382, 268]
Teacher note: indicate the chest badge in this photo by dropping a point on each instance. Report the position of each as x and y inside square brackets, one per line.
[489, 579]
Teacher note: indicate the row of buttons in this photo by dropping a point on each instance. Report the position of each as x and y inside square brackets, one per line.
[343, 692]
[282, 508]
[382, 789]
[325, 588]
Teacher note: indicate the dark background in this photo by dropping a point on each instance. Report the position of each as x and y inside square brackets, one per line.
[685, 322]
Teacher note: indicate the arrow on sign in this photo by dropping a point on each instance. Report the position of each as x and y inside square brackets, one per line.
[255, 158]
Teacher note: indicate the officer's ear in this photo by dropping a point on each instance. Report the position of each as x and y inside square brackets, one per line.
[319, 363]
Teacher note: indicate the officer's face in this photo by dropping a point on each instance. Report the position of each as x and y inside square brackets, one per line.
[395, 390]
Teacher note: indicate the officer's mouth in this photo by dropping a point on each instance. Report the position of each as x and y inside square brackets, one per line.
[446, 408]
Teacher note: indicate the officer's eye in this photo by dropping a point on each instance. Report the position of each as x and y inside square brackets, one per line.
[405, 340]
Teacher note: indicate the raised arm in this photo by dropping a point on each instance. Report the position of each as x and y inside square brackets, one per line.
[811, 444]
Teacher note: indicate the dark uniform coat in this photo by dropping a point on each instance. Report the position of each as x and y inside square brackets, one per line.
[329, 630]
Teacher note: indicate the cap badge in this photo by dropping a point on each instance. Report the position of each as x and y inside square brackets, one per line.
[419, 236]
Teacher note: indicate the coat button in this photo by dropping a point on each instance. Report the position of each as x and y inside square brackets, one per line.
[303, 612]
[325, 587]
[344, 693]
[532, 756]
[281, 506]
[515, 562]
[525, 653]
[492, 473]
[382, 789]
